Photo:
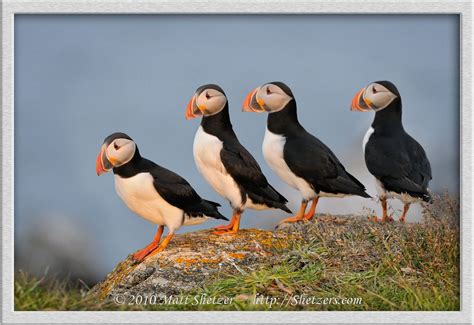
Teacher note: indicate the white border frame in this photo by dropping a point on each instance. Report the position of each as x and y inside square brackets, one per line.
[10, 8]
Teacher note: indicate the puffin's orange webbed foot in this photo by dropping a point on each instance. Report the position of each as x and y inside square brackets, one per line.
[231, 228]
[142, 253]
[224, 232]
[223, 227]
[291, 219]
[163, 245]
[298, 217]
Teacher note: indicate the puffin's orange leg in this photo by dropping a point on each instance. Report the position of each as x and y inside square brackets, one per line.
[299, 216]
[310, 214]
[232, 227]
[385, 216]
[229, 226]
[404, 214]
[142, 253]
[163, 244]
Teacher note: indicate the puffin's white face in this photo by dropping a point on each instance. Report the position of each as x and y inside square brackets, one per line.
[273, 97]
[208, 102]
[267, 98]
[379, 96]
[119, 152]
[211, 101]
[374, 97]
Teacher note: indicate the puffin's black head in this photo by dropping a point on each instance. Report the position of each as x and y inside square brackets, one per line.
[207, 100]
[117, 150]
[270, 97]
[376, 96]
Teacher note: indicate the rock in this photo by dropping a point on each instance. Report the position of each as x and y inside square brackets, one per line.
[191, 261]
[195, 259]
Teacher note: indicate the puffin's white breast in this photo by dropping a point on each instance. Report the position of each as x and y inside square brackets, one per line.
[273, 145]
[207, 156]
[140, 196]
[367, 137]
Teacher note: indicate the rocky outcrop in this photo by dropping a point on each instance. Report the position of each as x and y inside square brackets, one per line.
[192, 260]
[195, 259]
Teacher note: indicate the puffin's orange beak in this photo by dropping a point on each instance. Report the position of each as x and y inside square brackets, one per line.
[359, 103]
[250, 103]
[192, 111]
[99, 167]
[102, 163]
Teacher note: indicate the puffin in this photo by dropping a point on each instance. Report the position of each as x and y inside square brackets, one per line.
[152, 192]
[225, 164]
[396, 160]
[296, 156]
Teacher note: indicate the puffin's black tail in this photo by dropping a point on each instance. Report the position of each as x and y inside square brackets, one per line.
[209, 209]
[346, 184]
[424, 196]
[285, 208]
[359, 187]
[364, 194]
[281, 201]
[277, 205]
[269, 197]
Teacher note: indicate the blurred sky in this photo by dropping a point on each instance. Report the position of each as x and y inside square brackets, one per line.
[80, 78]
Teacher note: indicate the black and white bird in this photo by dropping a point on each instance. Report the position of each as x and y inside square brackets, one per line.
[397, 161]
[299, 158]
[151, 191]
[225, 164]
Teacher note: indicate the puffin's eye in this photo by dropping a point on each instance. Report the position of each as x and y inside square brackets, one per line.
[269, 91]
[116, 146]
[374, 90]
[207, 96]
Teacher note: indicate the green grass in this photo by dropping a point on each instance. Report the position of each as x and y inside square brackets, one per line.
[389, 267]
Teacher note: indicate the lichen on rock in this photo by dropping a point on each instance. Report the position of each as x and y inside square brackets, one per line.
[191, 261]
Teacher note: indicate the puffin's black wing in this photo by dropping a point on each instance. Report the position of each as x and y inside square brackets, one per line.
[244, 169]
[310, 159]
[400, 163]
[178, 192]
